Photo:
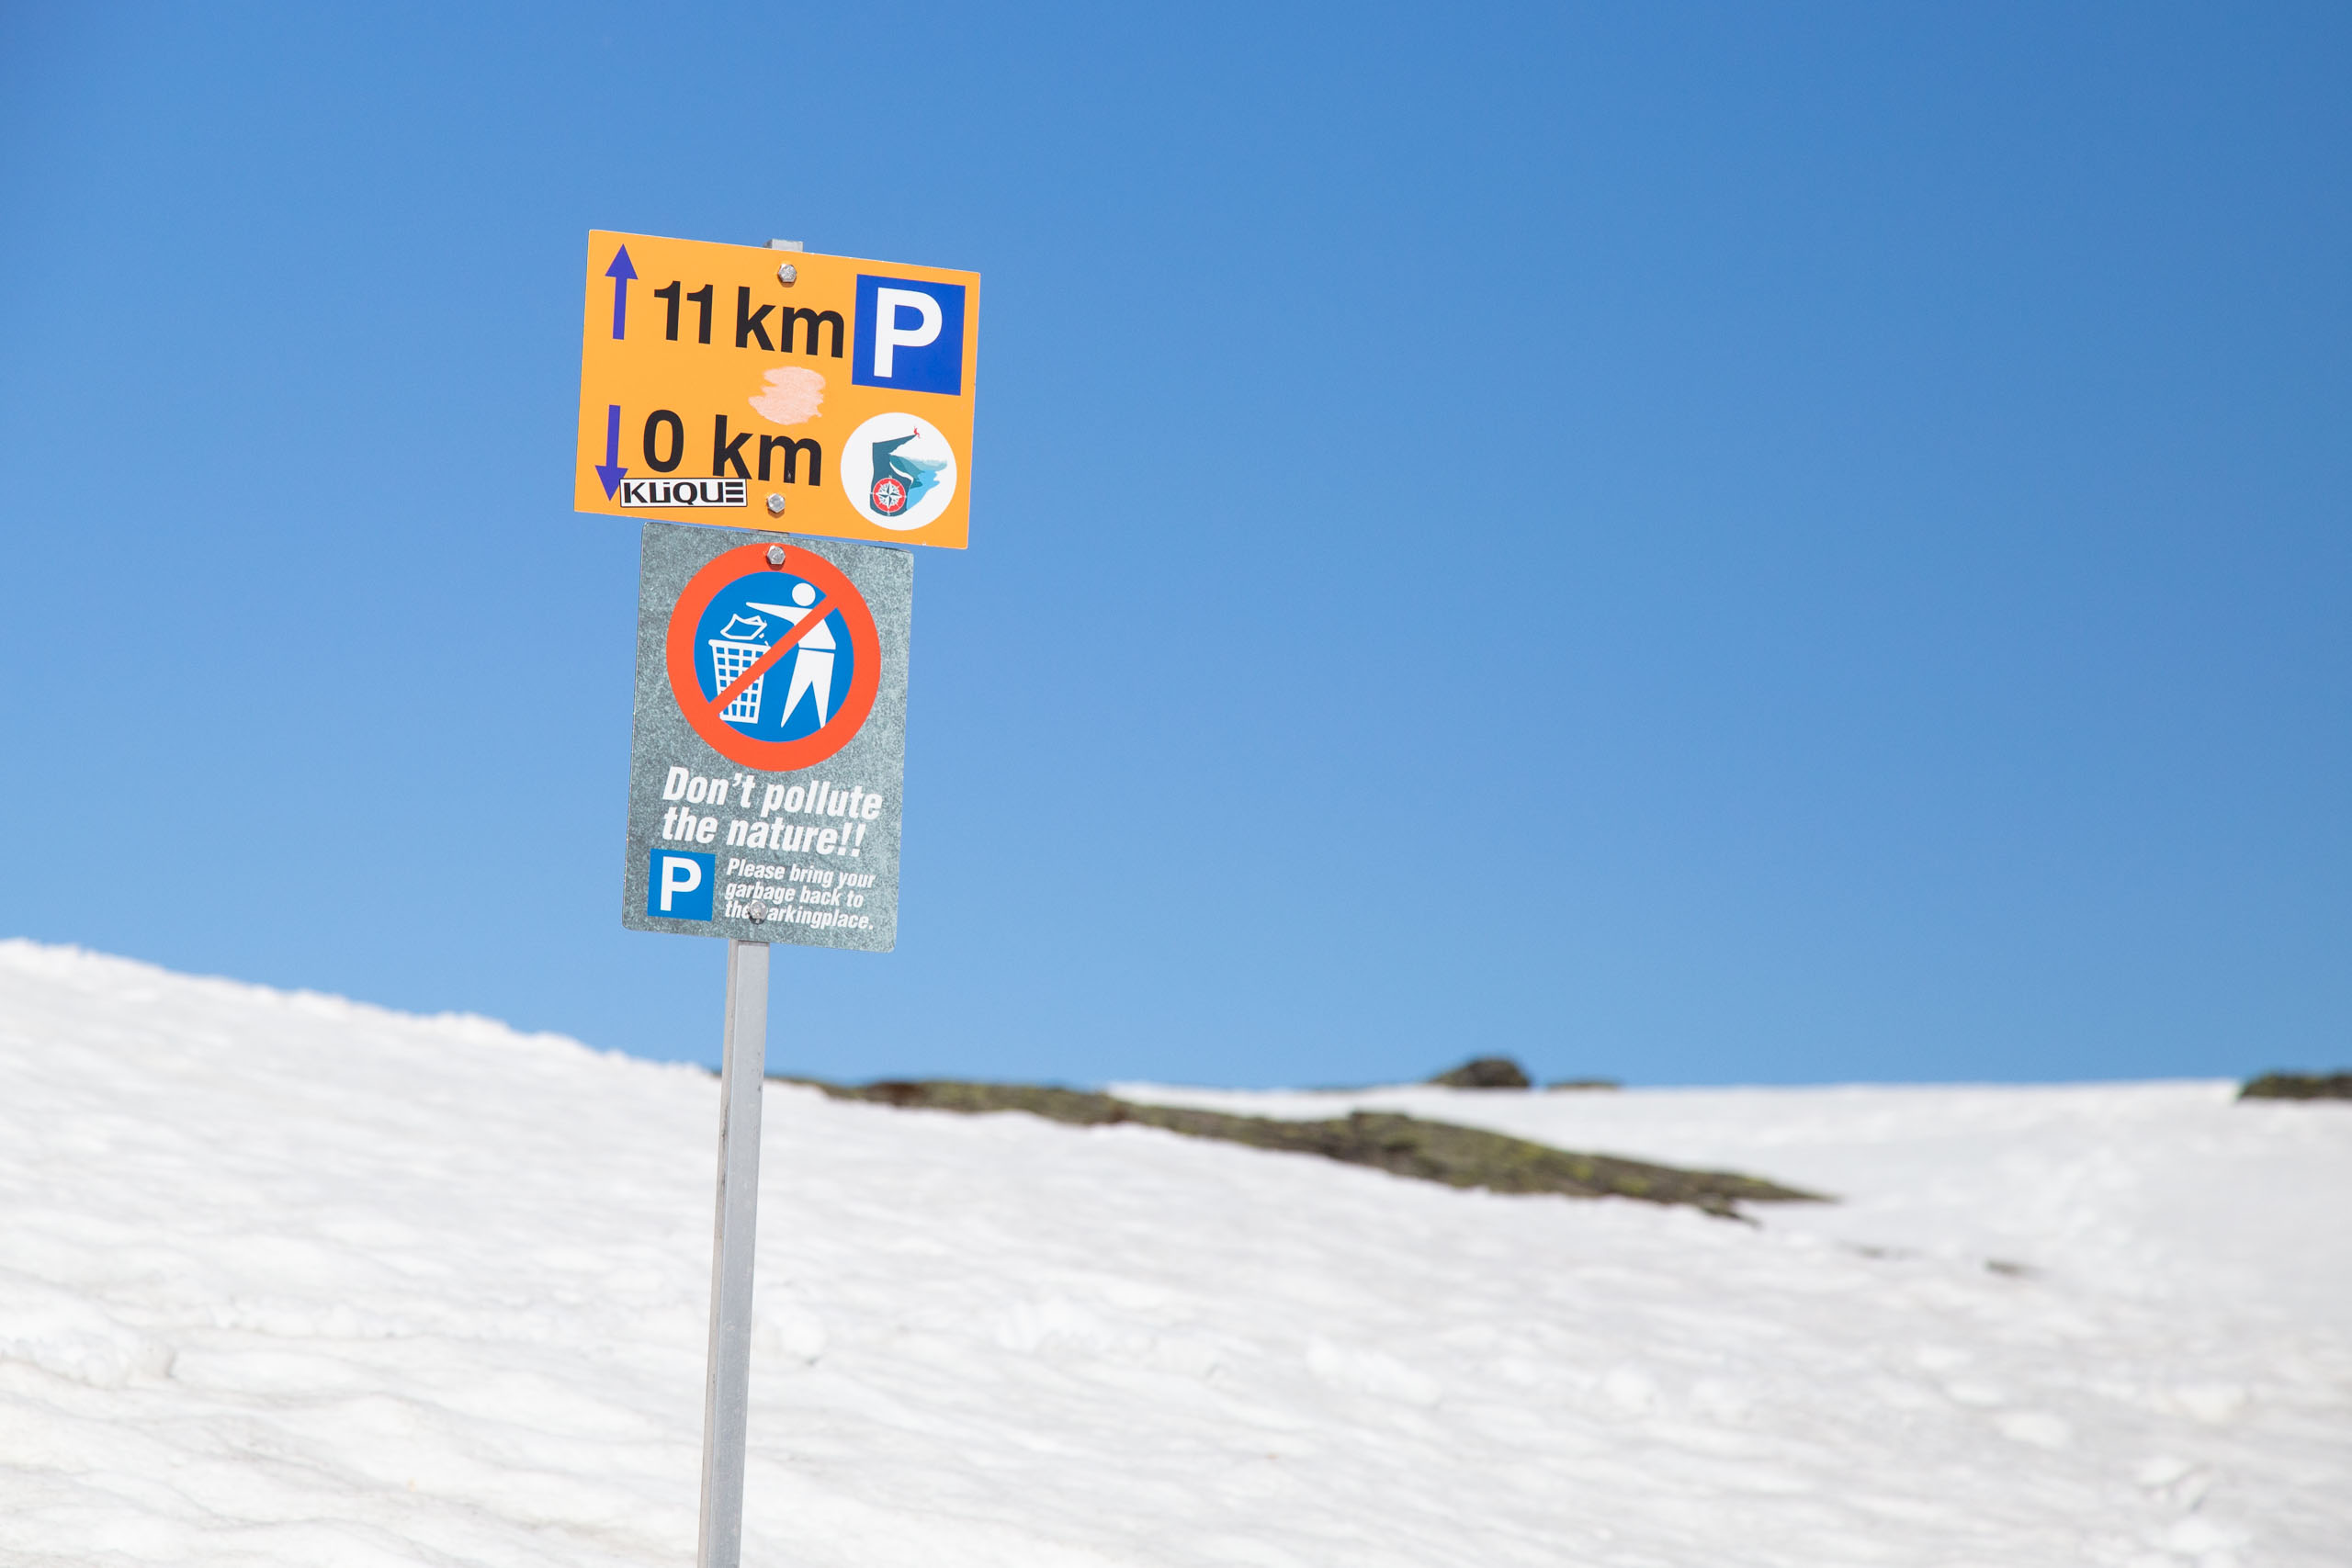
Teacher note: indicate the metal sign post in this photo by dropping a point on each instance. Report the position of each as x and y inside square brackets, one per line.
[767, 751]
[764, 782]
[726, 1389]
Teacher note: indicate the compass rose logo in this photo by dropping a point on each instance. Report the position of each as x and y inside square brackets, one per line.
[899, 470]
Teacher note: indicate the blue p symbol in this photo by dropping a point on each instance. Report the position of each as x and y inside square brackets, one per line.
[910, 335]
[678, 886]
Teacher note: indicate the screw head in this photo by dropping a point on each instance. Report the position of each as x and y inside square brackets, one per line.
[788, 274]
[776, 504]
[776, 555]
[758, 912]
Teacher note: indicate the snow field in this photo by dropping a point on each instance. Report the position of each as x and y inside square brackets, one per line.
[288, 1280]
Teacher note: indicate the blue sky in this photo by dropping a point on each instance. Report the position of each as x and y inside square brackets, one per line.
[1697, 543]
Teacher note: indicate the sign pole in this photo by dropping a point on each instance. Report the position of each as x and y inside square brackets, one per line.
[767, 751]
[726, 1389]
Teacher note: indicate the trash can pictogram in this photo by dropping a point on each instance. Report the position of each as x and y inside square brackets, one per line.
[732, 652]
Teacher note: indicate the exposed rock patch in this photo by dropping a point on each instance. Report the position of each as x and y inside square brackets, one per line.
[1485, 1072]
[1403, 1145]
[2299, 1086]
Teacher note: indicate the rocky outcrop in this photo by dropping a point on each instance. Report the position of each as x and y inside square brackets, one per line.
[1485, 1072]
[1402, 1146]
[2299, 1086]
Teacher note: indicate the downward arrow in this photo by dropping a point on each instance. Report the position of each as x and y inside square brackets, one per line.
[620, 272]
[610, 470]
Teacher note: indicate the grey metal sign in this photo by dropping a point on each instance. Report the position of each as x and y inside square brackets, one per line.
[768, 753]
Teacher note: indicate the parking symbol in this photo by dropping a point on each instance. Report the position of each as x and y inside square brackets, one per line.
[910, 335]
[679, 887]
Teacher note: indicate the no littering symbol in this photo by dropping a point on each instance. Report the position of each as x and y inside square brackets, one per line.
[774, 663]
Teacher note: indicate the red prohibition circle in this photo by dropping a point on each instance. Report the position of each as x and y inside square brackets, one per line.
[835, 592]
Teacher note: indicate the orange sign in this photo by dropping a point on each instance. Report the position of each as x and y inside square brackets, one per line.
[771, 388]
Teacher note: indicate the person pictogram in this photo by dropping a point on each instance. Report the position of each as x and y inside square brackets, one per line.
[812, 661]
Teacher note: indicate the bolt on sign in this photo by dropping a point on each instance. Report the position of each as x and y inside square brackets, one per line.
[771, 388]
[770, 738]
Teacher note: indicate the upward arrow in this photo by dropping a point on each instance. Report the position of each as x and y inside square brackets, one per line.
[610, 469]
[620, 272]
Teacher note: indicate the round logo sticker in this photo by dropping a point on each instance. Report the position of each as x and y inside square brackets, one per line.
[899, 470]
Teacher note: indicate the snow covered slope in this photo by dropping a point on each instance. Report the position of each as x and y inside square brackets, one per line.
[288, 1280]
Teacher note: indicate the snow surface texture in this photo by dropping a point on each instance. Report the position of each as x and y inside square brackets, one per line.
[288, 1280]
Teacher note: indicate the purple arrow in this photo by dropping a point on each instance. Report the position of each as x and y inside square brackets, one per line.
[620, 272]
[610, 469]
